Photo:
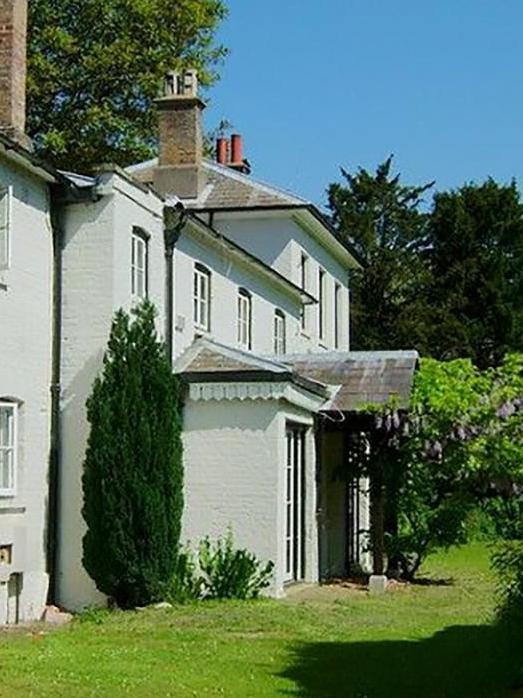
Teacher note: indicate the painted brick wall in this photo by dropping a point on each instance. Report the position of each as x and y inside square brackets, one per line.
[96, 282]
[235, 455]
[227, 278]
[280, 242]
[25, 352]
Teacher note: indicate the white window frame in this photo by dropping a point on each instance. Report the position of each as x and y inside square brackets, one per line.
[139, 272]
[280, 333]
[304, 283]
[322, 305]
[244, 319]
[6, 207]
[295, 503]
[337, 315]
[11, 449]
[202, 298]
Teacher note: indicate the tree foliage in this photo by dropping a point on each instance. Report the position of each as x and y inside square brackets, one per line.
[133, 473]
[384, 221]
[447, 281]
[95, 66]
[460, 442]
[476, 263]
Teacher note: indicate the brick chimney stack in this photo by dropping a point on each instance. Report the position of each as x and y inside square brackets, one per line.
[180, 109]
[13, 69]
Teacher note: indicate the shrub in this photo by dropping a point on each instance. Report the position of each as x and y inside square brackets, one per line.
[229, 573]
[186, 584]
[133, 475]
[507, 561]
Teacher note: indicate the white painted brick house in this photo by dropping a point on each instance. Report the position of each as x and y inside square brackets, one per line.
[252, 291]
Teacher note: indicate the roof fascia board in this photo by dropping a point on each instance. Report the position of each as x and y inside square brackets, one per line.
[261, 376]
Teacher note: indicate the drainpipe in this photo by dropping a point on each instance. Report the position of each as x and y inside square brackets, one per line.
[54, 455]
[174, 220]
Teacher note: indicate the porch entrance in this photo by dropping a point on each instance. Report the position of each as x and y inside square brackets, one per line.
[295, 504]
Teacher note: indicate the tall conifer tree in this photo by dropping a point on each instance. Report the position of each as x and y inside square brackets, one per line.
[133, 473]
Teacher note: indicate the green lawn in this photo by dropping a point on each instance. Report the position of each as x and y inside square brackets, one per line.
[427, 641]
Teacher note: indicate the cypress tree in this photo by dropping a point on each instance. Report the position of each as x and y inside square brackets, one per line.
[133, 472]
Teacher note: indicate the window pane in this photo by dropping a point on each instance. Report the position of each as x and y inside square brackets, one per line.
[6, 469]
[6, 426]
[4, 228]
[138, 267]
[140, 283]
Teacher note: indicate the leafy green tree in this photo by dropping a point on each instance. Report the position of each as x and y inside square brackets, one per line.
[383, 218]
[95, 66]
[460, 443]
[465, 443]
[476, 257]
[133, 473]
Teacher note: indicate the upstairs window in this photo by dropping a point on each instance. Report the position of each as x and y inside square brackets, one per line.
[8, 448]
[202, 298]
[139, 280]
[337, 316]
[5, 227]
[244, 319]
[280, 340]
[322, 315]
[304, 272]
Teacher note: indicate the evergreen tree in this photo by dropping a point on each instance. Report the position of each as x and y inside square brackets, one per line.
[383, 219]
[475, 247]
[133, 473]
[95, 66]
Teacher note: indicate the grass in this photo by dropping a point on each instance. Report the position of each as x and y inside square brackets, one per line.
[423, 641]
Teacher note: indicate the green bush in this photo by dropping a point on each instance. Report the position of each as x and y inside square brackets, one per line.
[507, 561]
[186, 584]
[229, 573]
[220, 572]
[506, 516]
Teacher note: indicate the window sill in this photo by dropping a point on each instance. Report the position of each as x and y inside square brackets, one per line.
[6, 510]
[7, 495]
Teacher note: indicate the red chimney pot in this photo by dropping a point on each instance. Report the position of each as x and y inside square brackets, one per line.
[236, 149]
[222, 151]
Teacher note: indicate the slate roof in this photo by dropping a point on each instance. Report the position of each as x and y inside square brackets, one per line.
[226, 189]
[207, 361]
[362, 377]
[348, 381]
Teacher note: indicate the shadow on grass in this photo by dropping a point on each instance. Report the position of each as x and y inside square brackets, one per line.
[458, 662]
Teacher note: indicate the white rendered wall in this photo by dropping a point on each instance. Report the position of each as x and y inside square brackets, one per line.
[279, 241]
[235, 460]
[226, 279]
[25, 376]
[96, 282]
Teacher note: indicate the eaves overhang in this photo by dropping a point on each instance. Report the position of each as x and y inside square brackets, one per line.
[29, 161]
[257, 377]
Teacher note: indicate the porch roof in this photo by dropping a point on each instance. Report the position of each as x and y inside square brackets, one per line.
[362, 377]
[207, 361]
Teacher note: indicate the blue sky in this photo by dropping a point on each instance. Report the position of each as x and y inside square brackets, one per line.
[315, 84]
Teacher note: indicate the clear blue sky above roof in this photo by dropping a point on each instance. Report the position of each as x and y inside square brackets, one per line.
[315, 85]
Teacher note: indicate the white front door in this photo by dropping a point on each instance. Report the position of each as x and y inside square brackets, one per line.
[295, 504]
